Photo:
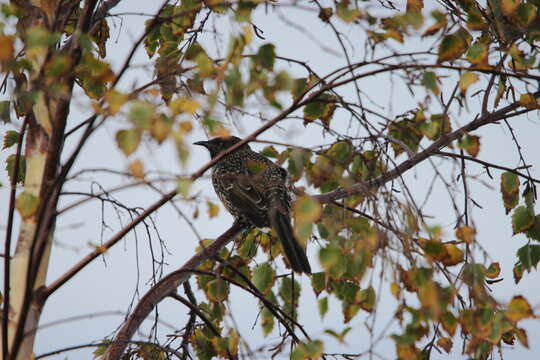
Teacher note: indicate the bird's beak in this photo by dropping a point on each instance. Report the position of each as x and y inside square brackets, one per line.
[201, 143]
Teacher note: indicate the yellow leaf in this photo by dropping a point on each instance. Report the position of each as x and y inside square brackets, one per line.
[394, 289]
[522, 337]
[493, 271]
[445, 343]
[115, 99]
[415, 5]
[27, 204]
[529, 101]
[248, 34]
[136, 168]
[100, 249]
[454, 45]
[518, 309]
[466, 234]
[186, 126]
[183, 104]
[306, 209]
[160, 128]
[6, 48]
[220, 131]
[183, 187]
[394, 34]
[407, 351]
[453, 255]
[213, 209]
[128, 140]
[478, 55]
[509, 7]
[466, 80]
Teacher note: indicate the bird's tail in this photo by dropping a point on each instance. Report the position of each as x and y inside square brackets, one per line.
[281, 223]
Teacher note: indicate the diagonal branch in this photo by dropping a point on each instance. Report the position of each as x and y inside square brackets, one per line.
[433, 149]
[163, 289]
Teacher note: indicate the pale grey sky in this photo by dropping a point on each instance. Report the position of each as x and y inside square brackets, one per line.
[108, 285]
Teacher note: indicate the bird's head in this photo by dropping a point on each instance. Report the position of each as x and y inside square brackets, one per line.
[219, 144]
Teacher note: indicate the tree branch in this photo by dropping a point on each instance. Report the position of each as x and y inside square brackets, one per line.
[164, 288]
[94, 254]
[487, 164]
[443, 141]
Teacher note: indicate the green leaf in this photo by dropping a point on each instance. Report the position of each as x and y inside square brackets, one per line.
[518, 309]
[322, 304]
[510, 190]
[475, 20]
[453, 46]
[430, 81]
[267, 317]
[509, 182]
[10, 168]
[341, 151]
[347, 14]
[478, 55]
[37, 40]
[318, 282]
[202, 345]
[243, 13]
[366, 299]
[314, 110]
[449, 323]
[329, 256]
[525, 15]
[529, 256]
[4, 111]
[471, 144]
[59, 65]
[467, 79]
[266, 56]
[474, 274]
[27, 204]
[311, 350]
[534, 231]
[270, 151]
[217, 290]
[322, 107]
[140, 114]
[183, 105]
[298, 159]
[286, 290]
[102, 349]
[408, 132]
[248, 248]
[10, 138]
[300, 85]
[517, 271]
[264, 277]
[183, 187]
[267, 322]
[522, 220]
[493, 270]
[306, 209]
[128, 140]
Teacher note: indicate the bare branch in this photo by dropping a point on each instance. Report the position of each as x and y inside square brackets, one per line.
[164, 288]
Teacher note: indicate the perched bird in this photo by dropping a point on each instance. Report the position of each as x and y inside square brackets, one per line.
[253, 189]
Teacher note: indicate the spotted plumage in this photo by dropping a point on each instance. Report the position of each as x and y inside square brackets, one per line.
[253, 189]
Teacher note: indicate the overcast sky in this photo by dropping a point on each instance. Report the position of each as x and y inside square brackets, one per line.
[107, 286]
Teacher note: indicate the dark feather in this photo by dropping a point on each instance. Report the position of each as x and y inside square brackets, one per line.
[281, 223]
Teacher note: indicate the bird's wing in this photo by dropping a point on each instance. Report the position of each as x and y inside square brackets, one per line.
[246, 192]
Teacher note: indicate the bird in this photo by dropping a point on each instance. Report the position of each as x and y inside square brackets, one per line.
[253, 190]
